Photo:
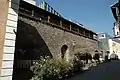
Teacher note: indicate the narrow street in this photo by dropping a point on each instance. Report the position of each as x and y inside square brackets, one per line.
[105, 71]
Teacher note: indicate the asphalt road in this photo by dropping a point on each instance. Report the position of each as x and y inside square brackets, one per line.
[105, 71]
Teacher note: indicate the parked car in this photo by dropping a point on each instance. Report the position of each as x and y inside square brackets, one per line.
[114, 56]
[118, 53]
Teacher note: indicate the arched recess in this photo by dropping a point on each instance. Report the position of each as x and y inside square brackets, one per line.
[64, 49]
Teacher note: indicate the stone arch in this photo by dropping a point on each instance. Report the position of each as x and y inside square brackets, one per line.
[64, 49]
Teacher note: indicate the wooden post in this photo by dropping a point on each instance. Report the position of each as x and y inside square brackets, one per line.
[70, 27]
[89, 35]
[78, 29]
[45, 6]
[51, 10]
[84, 33]
[32, 12]
[48, 19]
[60, 23]
[48, 8]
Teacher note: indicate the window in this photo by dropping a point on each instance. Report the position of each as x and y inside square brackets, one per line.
[102, 35]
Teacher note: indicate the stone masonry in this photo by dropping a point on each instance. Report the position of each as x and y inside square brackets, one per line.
[55, 38]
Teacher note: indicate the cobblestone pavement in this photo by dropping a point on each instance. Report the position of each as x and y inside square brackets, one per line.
[105, 71]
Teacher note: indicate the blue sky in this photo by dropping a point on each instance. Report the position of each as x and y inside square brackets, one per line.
[94, 14]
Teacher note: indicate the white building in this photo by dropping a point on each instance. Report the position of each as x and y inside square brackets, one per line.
[114, 46]
[103, 41]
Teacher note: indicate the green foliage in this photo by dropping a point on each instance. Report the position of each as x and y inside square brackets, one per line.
[50, 69]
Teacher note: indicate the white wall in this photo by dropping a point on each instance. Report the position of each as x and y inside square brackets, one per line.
[114, 45]
[110, 45]
[9, 43]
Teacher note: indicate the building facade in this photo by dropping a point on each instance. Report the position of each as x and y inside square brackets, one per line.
[114, 43]
[116, 14]
[103, 41]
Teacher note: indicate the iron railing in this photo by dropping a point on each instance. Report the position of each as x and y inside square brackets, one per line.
[21, 64]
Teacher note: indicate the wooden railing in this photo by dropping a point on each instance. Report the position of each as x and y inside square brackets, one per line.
[57, 22]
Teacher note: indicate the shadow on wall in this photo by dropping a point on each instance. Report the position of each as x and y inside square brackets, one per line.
[29, 43]
[29, 46]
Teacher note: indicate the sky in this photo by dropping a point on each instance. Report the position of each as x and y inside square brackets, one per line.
[93, 14]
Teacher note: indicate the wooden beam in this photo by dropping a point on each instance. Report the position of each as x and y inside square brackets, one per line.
[60, 23]
[48, 19]
[70, 27]
[78, 29]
